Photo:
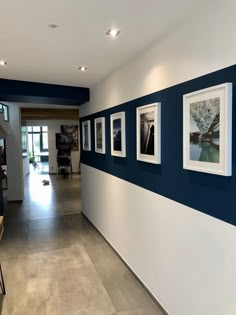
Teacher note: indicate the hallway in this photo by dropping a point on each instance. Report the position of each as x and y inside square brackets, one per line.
[55, 262]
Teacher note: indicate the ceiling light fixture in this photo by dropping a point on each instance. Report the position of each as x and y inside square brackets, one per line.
[3, 63]
[53, 26]
[83, 68]
[113, 33]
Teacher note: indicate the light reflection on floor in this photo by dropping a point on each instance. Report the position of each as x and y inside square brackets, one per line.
[40, 193]
[60, 197]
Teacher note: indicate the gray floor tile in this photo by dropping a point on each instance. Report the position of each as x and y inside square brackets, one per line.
[56, 263]
[15, 278]
[45, 240]
[123, 288]
[82, 292]
[13, 247]
[42, 295]
[13, 231]
[15, 302]
[53, 223]
[91, 237]
[148, 310]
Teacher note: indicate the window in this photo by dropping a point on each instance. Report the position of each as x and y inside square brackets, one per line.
[44, 141]
[38, 139]
[36, 129]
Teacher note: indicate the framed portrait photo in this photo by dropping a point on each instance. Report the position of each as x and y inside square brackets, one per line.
[207, 130]
[148, 134]
[118, 144]
[86, 135]
[99, 128]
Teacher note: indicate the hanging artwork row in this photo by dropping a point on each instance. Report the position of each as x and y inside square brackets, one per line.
[207, 132]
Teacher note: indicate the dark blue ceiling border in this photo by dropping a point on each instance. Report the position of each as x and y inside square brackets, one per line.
[211, 194]
[41, 93]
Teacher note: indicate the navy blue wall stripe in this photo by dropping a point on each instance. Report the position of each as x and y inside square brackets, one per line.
[41, 93]
[211, 194]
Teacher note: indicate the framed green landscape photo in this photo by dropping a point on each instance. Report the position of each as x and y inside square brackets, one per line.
[207, 130]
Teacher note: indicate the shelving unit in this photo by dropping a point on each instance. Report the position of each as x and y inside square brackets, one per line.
[64, 162]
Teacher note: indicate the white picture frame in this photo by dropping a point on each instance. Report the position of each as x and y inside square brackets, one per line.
[86, 135]
[118, 139]
[207, 130]
[148, 133]
[99, 130]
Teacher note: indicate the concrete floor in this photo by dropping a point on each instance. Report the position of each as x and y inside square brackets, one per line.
[55, 263]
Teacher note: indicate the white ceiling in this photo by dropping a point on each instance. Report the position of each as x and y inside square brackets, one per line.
[35, 52]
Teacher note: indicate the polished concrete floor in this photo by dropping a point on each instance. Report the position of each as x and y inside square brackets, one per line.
[55, 262]
[42, 167]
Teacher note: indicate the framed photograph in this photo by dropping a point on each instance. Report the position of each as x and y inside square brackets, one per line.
[86, 135]
[207, 130]
[99, 128]
[64, 141]
[148, 122]
[73, 129]
[118, 145]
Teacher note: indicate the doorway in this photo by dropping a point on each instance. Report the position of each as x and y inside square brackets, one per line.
[38, 148]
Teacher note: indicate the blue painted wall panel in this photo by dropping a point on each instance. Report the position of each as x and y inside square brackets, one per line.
[211, 194]
[42, 93]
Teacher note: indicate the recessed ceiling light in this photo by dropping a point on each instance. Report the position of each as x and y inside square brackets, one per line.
[83, 68]
[113, 32]
[53, 25]
[3, 63]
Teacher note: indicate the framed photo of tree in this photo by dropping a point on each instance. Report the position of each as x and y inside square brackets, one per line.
[207, 130]
[148, 134]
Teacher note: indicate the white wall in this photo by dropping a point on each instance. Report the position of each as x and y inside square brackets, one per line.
[26, 168]
[14, 156]
[185, 258]
[54, 126]
[197, 47]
